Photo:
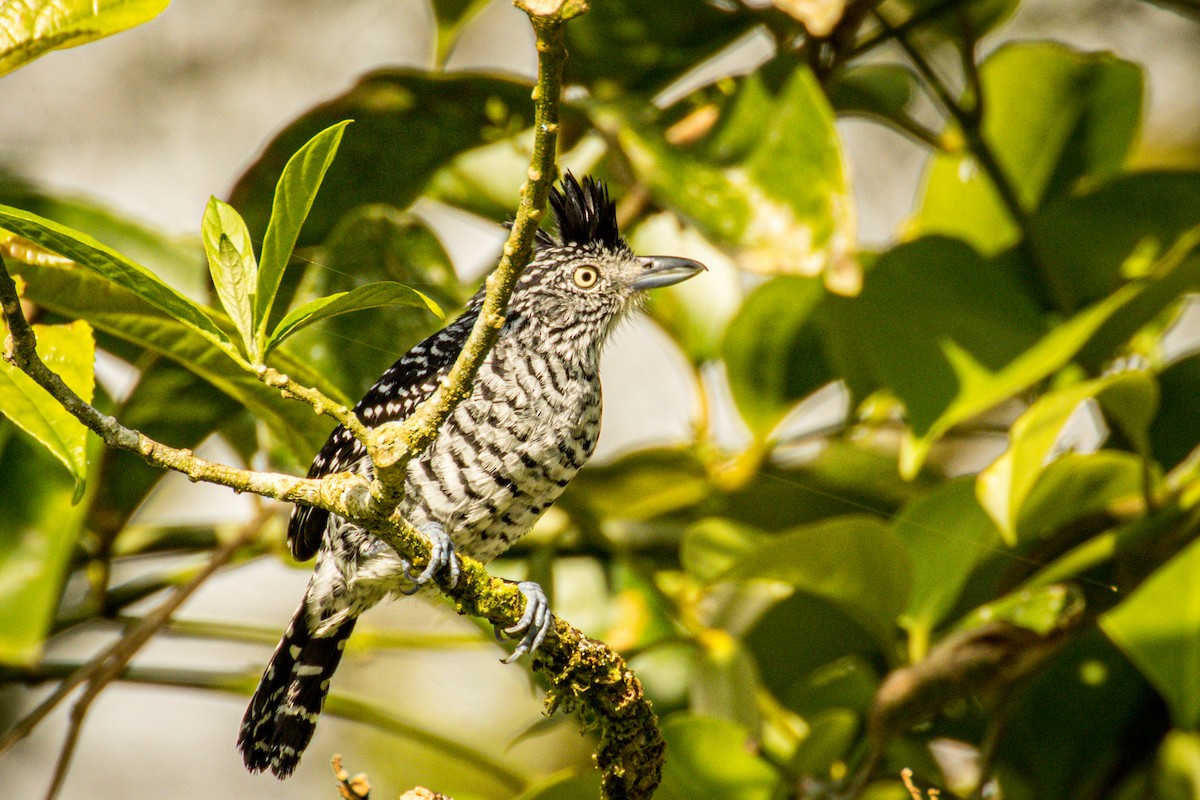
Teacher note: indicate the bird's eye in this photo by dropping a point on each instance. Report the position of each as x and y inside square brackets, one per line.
[586, 277]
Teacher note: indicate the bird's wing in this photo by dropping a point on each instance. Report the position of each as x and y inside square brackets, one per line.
[393, 397]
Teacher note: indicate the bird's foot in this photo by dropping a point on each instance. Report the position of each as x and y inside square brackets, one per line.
[441, 554]
[535, 623]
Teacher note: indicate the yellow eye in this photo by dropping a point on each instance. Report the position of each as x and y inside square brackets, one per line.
[586, 277]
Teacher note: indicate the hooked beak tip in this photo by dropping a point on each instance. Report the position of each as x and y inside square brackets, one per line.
[666, 271]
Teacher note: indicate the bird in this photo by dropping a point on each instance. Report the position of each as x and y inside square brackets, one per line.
[501, 458]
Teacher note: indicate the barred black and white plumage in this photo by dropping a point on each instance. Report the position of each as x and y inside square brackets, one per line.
[504, 455]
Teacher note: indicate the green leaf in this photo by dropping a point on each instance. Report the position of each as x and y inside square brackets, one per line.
[947, 535]
[173, 259]
[1165, 646]
[436, 115]
[1175, 431]
[772, 351]
[713, 759]
[233, 266]
[724, 683]
[79, 294]
[830, 736]
[881, 91]
[566, 786]
[294, 196]
[798, 220]
[111, 265]
[38, 530]
[1052, 117]
[642, 485]
[712, 546]
[69, 351]
[1042, 610]
[1128, 398]
[371, 244]
[32, 28]
[373, 295]
[946, 17]
[854, 561]
[641, 47]
[1077, 486]
[452, 16]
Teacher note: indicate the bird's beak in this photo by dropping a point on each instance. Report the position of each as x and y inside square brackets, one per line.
[666, 270]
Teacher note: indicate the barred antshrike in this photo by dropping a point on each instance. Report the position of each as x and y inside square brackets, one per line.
[498, 462]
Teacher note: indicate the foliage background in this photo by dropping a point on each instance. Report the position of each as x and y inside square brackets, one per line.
[225, 83]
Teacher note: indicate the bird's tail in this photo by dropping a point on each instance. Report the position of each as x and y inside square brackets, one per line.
[283, 713]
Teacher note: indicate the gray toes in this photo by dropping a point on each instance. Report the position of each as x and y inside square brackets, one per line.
[535, 623]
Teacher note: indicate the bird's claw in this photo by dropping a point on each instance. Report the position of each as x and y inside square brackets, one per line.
[441, 554]
[535, 622]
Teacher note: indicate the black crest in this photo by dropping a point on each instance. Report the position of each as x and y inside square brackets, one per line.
[584, 212]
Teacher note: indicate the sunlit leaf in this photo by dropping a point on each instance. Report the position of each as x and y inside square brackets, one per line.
[1128, 398]
[854, 561]
[38, 530]
[947, 535]
[294, 196]
[112, 266]
[32, 28]
[798, 220]
[232, 265]
[79, 294]
[1052, 116]
[1165, 646]
[713, 759]
[1042, 609]
[372, 295]
[725, 683]
[69, 351]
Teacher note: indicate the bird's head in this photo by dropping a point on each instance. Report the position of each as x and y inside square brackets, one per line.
[584, 278]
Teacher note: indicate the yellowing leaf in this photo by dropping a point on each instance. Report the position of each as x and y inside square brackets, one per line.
[32, 28]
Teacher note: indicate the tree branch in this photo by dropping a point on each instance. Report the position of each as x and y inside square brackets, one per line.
[582, 673]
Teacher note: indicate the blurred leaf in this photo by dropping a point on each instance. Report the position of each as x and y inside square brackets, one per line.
[294, 196]
[643, 485]
[641, 47]
[1176, 773]
[798, 220]
[772, 351]
[1128, 399]
[947, 535]
[179, 262]
[725, 683]
[882, 91]
[79, 294]
[360, 298]
[1052, 117]
[1078, 721]
[70, 352]
[854, 561]
[452, 16]
[1175, 431]
[1128, 230]
[435, 115]
[947, 16]
[695, 313]
[112, 266]
[372, 244]
[712, 546]
[565, 786]
[233, 267]
[1076, 486]
[1042, 610]
[38, 530]
[831, 734]
[819, 17]
[32, 28]
[846, 683]
[1165, 646]
[713, 759]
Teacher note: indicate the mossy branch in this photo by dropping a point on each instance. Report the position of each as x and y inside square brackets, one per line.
[582, 673]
